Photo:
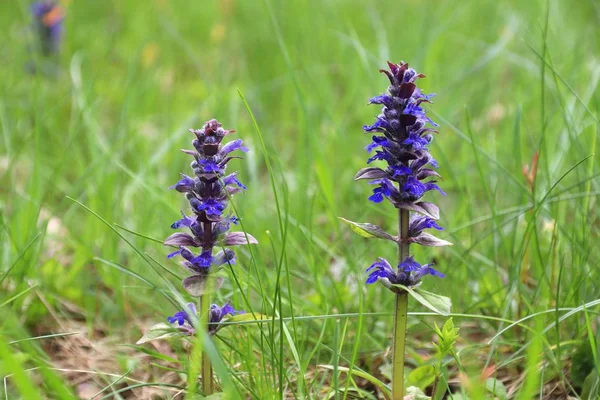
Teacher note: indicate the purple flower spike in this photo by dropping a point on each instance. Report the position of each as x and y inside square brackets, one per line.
[403, 134]
[208, 192]
[49, 18]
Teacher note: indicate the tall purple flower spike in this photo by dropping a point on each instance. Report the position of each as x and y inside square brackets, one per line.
[402, 133]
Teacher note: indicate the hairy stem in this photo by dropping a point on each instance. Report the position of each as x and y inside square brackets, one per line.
[400, 316]
[403, 230]
[207, 372]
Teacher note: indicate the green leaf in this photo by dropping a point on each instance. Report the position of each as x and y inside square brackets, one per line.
[590, 386]
[421, 377]
[216, 396]
[447, 337]
[435, 302]
[159, 331]
[382, 386]
[369, 230]
[248, 317]
[414, 393]
[496, 388]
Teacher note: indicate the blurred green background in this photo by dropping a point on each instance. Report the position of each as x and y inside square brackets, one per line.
[103, 123]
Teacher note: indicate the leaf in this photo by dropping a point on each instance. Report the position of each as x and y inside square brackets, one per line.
[242, 318]
[426, 173]
[422, 207]
[590, 386]
[369, 230]
[427, 239]
[435, 302]
[181, 239]
[421, 377]
[370, 173]
[159, 331]
[497, 389]
[382, 386]
[248, 317]
[447, 337]
[414, 393]
[196, 285]
[237, 238]
[217, 396]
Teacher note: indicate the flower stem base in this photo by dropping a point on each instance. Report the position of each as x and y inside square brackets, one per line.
[398, 346]
[207, 371]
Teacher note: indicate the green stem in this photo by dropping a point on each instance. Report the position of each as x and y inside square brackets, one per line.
[398, 346]
[207, 371]
[400, 315]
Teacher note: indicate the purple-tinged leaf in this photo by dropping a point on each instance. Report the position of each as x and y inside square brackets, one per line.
[162, 331]
[233, 190]
[406, 90]
[436, 303]
[181, 239]
[369, 230]
[189, 152]
[426, 173]
[197, 285]
[238, 238]
[422, 207]
[371, 173]
[224, 256]
[426, 239]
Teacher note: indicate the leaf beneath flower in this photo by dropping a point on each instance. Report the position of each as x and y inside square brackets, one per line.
[181, 239]
[370, 173]
[435, 302]
[238, 238]
[248, 317]
[369, 230]
[159, 331]
[426, 239]
[197, 285]
[242, 318]
[422, 207]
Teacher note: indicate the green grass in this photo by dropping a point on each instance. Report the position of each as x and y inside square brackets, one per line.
[86, 158]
